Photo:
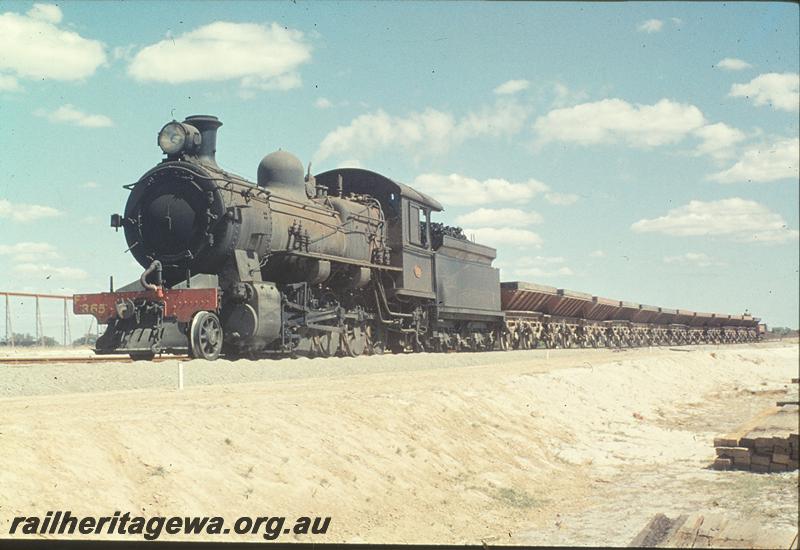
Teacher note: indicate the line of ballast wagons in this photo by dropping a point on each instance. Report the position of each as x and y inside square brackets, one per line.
[539, 315]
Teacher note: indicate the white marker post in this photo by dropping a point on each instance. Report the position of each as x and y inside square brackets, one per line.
[180, 375]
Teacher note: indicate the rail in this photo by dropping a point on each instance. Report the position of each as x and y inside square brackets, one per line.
[84, 360]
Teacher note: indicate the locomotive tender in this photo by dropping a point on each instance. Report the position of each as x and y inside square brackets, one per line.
[344, 262]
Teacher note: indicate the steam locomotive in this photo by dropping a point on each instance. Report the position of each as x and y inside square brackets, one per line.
[346, 262]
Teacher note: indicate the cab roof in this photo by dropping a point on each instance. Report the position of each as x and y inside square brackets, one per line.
[360, 181]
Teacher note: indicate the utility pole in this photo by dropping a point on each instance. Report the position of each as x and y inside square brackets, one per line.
[67, 332]
[39, 328]
[9, 328]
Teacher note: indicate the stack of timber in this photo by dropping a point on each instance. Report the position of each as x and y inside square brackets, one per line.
[767, 444]
[711, 531]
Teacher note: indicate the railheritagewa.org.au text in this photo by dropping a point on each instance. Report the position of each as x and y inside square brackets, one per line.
[151, 528]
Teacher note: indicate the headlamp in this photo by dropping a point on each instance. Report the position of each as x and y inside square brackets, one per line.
[176, 137]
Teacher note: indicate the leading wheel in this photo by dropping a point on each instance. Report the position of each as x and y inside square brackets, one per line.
[205, 337]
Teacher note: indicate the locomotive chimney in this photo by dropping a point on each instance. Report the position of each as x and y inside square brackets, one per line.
[207, 126]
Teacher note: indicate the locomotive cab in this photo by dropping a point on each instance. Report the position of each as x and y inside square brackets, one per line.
[408, 215]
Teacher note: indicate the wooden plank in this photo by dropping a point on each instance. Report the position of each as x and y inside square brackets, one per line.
[748, 442]
[722, 464]
[780, 458]
[760, 460]
[714, 531]
[732, 452]
[657, 531]
[742, 462]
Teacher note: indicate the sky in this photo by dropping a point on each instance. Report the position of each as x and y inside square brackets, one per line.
[639, 151]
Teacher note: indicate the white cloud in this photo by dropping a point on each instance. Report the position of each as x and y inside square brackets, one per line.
[28, 251]
[429, 132]
[33, 46]
[46, 12]
[561, 199]
[733, 64]
[718, 140]
[9, 84]
[501, 119]
[90, 185]
[504, 236]
[455, 189]
[498, 217]
[123, 52]
[534, 266]
[512, 87]
[565, 96]
[25, 212]
[735, 218]
[259, 56]
[520, 272]
[323, 103]
[430, 129]
[650, 26]
[767, 162]
[698, 259]
[778, 90]
[616, 120]
[68, 114]
[47, 270]
[597, 254]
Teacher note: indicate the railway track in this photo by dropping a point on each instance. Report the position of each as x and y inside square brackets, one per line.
[97, 359]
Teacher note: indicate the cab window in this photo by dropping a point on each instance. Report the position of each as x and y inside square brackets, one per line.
[414, 227]
[417, 226]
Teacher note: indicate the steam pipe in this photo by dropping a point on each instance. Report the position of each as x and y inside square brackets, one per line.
[155, 266]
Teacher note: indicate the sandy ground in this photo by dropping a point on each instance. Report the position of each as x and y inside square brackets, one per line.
[560, 447]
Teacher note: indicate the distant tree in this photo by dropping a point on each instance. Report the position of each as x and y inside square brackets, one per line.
[781, 332]
[87, 340]
[28, 340]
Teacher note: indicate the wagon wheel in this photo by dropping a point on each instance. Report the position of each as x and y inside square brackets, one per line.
[205, 337]
[504, 339]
